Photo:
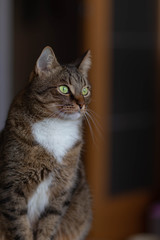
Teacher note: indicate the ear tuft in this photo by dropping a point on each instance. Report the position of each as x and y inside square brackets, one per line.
[46, 61]
[85, 63]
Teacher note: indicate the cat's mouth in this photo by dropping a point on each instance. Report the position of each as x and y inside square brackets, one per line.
[71, 112]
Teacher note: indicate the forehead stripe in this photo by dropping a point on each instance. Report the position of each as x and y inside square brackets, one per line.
[72, 89]
[75, 76]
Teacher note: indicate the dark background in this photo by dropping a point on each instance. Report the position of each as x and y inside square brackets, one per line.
[39, 23]
[133, 103]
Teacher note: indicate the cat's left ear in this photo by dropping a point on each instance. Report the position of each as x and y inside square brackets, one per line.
[84, 63]
[46, 61]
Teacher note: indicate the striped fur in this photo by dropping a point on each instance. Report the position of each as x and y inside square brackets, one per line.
[43, 191]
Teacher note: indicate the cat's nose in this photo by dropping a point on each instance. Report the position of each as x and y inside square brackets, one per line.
[80, 104]
[80, 101]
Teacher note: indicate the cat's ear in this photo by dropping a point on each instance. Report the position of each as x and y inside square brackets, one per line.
[84, 63]
[46, 61]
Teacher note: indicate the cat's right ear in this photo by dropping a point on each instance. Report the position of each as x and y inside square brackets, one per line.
[46, 61]
[84, 63]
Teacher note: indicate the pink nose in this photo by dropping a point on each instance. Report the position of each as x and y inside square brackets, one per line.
[80, 104]
[80, 101]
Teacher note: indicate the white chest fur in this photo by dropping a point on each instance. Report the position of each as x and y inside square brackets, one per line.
[39, 200]
[57, 135]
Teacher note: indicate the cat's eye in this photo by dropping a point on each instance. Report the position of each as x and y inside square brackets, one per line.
[85, 91]
[64, 89]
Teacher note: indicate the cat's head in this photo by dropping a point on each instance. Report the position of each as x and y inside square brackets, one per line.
[61, 91]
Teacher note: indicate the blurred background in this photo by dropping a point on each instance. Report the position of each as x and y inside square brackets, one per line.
[123, 162]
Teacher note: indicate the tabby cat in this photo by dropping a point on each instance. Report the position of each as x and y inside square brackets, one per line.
[43, 191]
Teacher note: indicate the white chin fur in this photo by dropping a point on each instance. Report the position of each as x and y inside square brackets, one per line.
[71, 116]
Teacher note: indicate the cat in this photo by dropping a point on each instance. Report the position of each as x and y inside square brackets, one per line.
[43, 189]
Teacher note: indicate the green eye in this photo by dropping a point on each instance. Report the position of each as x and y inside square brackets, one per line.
[64, 89]
[84, 91]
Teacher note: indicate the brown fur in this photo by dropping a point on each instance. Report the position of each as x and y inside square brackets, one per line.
[24, 163]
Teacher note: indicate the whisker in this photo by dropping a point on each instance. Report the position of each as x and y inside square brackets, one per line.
[96, 124]
[94, 113]
[96, 118]
[90, 127]
[95, 121]
[54, 114]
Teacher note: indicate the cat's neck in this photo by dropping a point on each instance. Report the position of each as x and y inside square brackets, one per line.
[57, 136]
